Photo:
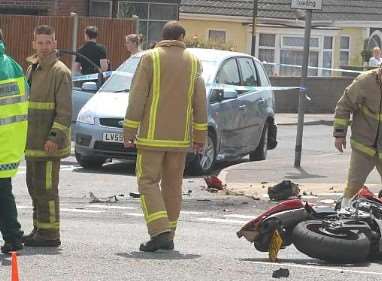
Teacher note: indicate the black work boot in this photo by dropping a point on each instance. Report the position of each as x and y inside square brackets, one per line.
[161, 241]
[29, 236]
[11, 246]
[39, 240]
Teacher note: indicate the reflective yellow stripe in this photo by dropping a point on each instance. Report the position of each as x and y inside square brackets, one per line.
[42, 105]
[200, 126]
[189, 96]
[60, 127]
[163, 143]
[48, 175]
[173, 224]
[48, 226]
[43, 153]
[342, 122]
[363, 148]
[144, 207]
[131, 124]
[139, 165]
[52, 211]
[367, 112]
[156, 216]
[156, 93]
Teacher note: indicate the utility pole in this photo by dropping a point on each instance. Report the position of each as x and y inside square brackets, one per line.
[74, 37]
[254, 15]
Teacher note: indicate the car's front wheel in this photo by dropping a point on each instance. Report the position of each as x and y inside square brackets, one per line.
[205, 162]
[89, 162]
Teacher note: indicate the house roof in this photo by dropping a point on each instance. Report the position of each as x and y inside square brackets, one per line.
[332, 10]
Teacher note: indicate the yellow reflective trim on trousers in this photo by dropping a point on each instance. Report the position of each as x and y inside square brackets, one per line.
[156, 216]
[156, 93]
[200, 126]
[42, 105]
[43, 153]
[48, 226]
[163, 143]
[342, 122]
[52, 211]
[189, 97]
[139, 165]
[363, 148]
[131, 124]
[48, 175]
[60, 127]
[144, 207]
[173, 224]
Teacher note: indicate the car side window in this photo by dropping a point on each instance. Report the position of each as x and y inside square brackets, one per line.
[228, 73]
[264, 81]
[248, 72]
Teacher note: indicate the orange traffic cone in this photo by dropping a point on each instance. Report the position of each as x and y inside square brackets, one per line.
[15, 268]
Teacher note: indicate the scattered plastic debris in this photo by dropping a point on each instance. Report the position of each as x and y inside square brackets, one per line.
[135, 195]
[188, 193]
[213, 182]
[281, 272]
[283, 190]
[109, 199]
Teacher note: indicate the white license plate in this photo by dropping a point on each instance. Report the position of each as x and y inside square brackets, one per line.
[113, 137]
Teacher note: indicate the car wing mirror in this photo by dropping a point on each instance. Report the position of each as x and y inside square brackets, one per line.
[89, 86]
[229, 94]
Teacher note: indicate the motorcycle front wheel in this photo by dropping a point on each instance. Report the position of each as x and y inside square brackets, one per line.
[314, 239]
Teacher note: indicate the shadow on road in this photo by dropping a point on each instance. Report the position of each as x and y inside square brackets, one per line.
[29, 251]
[303, 175]
[160, 255]
[308, 262]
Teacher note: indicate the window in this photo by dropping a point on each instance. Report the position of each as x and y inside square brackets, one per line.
[263, 77]
[295, 57]
[100, 8]
[229, 73]
[327, 55]
[152, 16]
[344, 50]
[248, 72]
[267, 44]
[218, 36]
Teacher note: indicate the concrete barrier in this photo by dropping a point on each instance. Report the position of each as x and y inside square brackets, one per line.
[324, 92]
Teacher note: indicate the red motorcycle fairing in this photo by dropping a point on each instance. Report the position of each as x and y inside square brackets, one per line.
[250, 230]
[364, 192]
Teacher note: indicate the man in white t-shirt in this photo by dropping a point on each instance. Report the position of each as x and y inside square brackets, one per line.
[376, 59]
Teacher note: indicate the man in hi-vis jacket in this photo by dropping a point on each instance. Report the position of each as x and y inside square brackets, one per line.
[167, 107]
[48, 138]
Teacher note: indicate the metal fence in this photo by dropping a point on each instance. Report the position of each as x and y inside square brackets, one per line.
[18, 33]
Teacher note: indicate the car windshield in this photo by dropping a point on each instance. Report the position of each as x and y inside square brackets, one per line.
[120, 81]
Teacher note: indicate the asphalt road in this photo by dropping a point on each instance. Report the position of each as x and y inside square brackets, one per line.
[101, 240]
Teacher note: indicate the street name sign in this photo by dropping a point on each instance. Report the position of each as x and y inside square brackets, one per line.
[306, 4]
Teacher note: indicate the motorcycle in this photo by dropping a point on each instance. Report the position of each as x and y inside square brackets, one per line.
[333, 234]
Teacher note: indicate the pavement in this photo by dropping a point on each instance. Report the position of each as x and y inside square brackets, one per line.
[323, 170]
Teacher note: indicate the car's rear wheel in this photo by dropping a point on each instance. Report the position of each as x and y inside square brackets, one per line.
[260, 153]
[204, 163]
[89, 162]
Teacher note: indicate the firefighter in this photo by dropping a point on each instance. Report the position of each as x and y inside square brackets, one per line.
[363, 100]
[167, 107]
[13, 130]
[48, 138]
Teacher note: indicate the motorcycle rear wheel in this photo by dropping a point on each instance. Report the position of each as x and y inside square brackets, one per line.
[313, 239]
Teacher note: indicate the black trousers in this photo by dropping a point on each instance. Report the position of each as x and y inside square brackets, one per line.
[9, 226]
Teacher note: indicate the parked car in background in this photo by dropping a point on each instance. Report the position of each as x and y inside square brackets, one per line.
[240, 113]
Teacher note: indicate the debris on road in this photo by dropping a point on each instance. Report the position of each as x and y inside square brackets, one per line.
[283, 190]
[135, 195]
[281, 272]
[109, 199]
[188, 193]
[213, 182]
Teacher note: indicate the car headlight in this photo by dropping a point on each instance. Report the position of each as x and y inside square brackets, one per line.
[86, 117]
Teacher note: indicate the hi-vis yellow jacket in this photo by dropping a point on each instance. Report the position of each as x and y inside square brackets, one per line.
[13, 114]
[167, 102]
[363, 100]
[50, 108]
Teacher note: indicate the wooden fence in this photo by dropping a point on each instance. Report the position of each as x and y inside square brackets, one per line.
[18, 34]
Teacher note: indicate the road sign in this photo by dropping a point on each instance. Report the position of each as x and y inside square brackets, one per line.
[306, 4]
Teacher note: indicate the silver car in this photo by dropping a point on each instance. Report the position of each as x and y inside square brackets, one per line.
[240, 113]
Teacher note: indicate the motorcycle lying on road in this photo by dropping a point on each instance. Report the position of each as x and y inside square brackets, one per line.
[338, 235]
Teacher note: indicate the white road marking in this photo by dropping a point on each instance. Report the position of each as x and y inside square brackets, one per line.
[222, 221]
[240, 216]
[133, 214]
[317, 267]
[192, 213]
[80, 211]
